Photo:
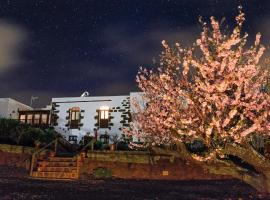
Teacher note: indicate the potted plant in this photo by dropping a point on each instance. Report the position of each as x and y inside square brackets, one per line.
[114, 139]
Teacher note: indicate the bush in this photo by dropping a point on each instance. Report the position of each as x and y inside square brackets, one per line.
[49, 135]
[7, 140]
[102, 173]
[13, 132]
[30, 136]
[196, 146]
[98, 145]
[122, 146]
[105, 147]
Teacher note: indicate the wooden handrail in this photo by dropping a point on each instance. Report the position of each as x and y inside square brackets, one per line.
[43, 148]
[34, 155]
[55, 142]
[88, 144]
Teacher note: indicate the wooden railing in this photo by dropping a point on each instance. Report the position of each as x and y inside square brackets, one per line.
[55, 143]
[91, 143]
[36, 154]
[78, 156]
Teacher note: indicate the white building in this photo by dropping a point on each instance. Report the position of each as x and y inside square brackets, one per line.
[9, 108]
[73, 117]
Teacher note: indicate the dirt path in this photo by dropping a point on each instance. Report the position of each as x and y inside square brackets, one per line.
[15, 184]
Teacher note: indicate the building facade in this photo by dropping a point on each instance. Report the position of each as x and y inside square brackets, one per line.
[9, 108]
[74, 117]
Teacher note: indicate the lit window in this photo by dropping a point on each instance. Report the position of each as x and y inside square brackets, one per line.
[104, 117]
[44, 118]
[104, 114]
[74, 114]
[36, 118]
[22, 118]
[30, 119]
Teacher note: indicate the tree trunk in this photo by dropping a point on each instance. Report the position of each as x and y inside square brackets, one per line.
[260, 180]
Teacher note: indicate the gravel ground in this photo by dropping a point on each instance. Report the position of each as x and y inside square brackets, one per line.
[15, 184]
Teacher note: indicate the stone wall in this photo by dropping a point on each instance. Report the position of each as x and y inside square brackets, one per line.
[140, 165]
[122, 164]
[15, 156]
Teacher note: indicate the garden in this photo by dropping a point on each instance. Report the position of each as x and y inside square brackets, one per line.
[15, 133]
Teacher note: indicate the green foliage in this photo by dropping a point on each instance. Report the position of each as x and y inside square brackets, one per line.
[30, 135]
[13, 132]
[196, 146]
[7, 126]
[126, 138]
[50, 135]
[105, 147]
[98, 145]
[102, 173]
[122, 146]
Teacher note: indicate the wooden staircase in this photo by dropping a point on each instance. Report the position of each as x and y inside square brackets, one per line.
[56, 168]
[63, 166]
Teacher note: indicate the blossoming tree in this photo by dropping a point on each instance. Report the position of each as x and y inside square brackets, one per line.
[211, 91]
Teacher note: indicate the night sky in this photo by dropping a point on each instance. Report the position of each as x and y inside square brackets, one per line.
[59, 48]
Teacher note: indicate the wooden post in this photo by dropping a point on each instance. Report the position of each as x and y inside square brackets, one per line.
[92, 145]
[32, 164]
[78, 165]
[55, 146]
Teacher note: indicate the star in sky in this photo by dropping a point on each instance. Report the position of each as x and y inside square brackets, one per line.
[64, 47]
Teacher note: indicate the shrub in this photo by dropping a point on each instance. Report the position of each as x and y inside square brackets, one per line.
[196, 146]
[49, 135]
[98, 145]
[7, 140]
[29, 136]
[122, 146]
[102, 173]
[13, 132]
[105, 147]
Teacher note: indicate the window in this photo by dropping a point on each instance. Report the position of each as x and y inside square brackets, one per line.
[36, 118]
[104, 114]
[44, 118]
[72, 138]
[74, 115]
[22, 118]
[30, 119]
[104, 117]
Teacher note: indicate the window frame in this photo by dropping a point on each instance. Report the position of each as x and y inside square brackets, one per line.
[73, 138]
[74, 117]
[104, 117]
[42, 121]
[22, 119]
[35, 119]
[27, 118]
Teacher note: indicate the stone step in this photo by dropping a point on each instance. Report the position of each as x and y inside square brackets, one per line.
[55, 175]
[62, 159]
[67, 154]
[56, 164]
[57, 169]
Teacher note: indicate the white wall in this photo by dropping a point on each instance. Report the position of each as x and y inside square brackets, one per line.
[4, 107]
[9, 108]
[89, 105]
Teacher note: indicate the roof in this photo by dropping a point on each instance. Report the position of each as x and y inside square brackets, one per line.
[15, 101]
